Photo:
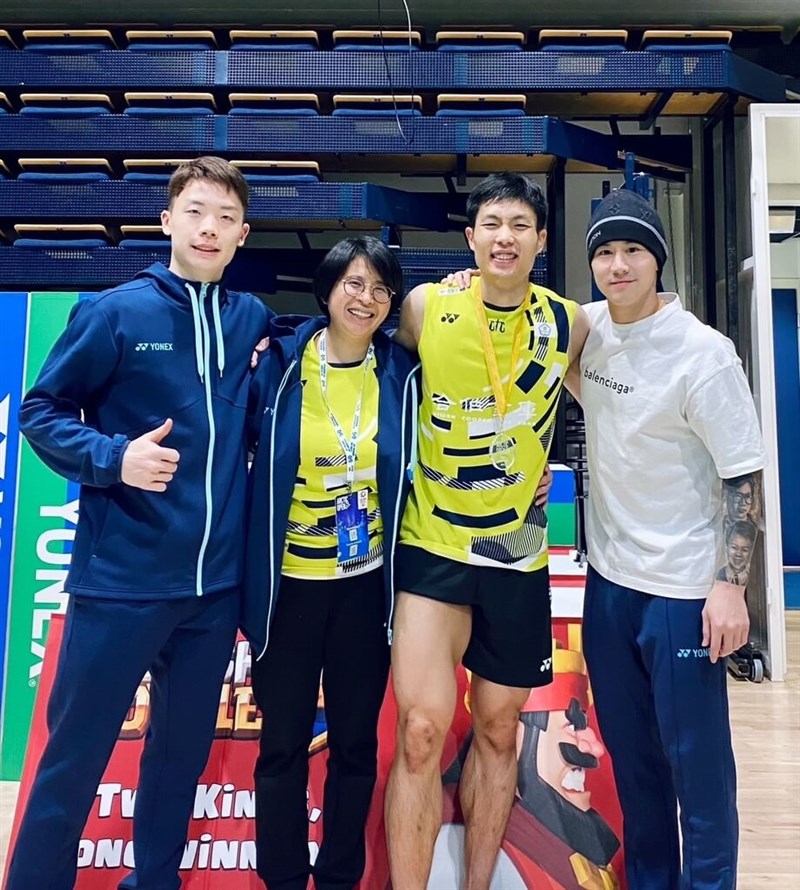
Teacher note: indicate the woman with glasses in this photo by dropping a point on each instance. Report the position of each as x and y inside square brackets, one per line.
[334, 401]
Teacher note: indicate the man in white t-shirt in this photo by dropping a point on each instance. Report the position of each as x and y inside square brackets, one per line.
[672, 439]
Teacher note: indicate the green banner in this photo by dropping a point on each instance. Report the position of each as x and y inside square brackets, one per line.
[44, 528]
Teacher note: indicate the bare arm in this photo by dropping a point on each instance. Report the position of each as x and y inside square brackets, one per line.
[577, 338]
[412, 315]
[726, 623]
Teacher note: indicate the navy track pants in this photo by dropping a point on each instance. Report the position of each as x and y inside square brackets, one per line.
[662, 708]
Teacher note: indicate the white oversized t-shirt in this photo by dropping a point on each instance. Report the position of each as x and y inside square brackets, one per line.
[668, 414]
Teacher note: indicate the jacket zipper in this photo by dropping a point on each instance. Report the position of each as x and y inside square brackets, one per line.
[212, 436]
[405, 467]
[281, 388]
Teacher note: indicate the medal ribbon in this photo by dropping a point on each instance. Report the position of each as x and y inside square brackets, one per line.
[348, 447]
[501, 396]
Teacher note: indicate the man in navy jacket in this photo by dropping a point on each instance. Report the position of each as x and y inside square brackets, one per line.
[143, 401]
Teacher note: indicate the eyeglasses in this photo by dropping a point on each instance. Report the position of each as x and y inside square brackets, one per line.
[354, 287]
[741, 498]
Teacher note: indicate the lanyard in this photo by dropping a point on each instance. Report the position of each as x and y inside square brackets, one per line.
[349, 448]
[501, 396]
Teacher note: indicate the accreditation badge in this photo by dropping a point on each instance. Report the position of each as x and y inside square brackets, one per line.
[352, 531]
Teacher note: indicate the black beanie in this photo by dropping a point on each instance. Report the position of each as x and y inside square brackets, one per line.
[626, 216]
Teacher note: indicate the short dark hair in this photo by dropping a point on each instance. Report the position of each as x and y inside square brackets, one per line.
[337, 260]
[210, 169]
[741, 529]
[508, 187]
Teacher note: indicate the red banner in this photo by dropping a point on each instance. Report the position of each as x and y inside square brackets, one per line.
[564, 826]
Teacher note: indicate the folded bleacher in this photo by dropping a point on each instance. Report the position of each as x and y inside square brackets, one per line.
[169, 41]
[59, 40]
[66, 104]
[52, 236]
[65, 171]
[376, 40]
[358, 105]
[266, 104]
[264, 40]
[480, 41]
[161, 104]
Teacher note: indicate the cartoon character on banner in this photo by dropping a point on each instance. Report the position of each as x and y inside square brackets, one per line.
[554, 839]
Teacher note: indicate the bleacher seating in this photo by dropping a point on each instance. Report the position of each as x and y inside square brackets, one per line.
[66, 104]
[58, 40]
[376, 40]
[480, 41]
[683, 41]
[64, 170]
[156, 104]
[279, 172]
[138, 237]
[159, 41]
[573, 41]
[376, 104]
[150, 169]
[50, 235]
[274, 103]
[266, 40]
[480, 105]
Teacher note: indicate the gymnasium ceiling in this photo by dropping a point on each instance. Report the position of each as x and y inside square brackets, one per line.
[427, 14]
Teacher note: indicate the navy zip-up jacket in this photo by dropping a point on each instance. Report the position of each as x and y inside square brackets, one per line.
[129, 358]
[277, 396]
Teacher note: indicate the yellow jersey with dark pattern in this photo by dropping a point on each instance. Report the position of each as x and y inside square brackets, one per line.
[310, 547]
[462, 506]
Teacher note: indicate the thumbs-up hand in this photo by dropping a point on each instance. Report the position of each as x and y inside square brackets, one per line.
[146, 464]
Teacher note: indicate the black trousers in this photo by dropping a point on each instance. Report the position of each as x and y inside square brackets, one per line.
[334, 627]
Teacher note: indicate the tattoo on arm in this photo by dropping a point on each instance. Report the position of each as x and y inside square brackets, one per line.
[741, 499]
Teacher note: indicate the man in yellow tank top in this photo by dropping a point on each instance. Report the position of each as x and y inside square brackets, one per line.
[472, 558]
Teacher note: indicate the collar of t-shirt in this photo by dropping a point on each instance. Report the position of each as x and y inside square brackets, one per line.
[672, 304]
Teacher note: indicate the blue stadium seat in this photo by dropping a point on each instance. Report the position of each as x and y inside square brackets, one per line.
[4, 174]
[480, 41]
[685, 41]
[153, 104]
[64, 170]
[161, 41]
[564, 40]
[150, 169]
[49, 235]
[6, 40]
[57, 40]
[279, 172]
[264, 40]
[66, 104]
[143, 238]
[274, 103]
[372, 40]
[480, 105]
[5, 105]
[384, 105]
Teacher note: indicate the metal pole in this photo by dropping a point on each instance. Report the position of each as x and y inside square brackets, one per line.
[709, 240]
[730, 231]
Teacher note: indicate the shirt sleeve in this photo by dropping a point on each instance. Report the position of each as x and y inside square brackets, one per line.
[721, 412]
[78, 367]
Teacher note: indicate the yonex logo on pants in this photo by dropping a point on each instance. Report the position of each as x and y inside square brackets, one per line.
[694, 653]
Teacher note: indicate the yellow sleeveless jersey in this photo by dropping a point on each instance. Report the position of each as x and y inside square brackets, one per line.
[462, 506]
[310, 548]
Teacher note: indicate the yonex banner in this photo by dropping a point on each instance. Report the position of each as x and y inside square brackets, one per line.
[39, 512]
[13, 312]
